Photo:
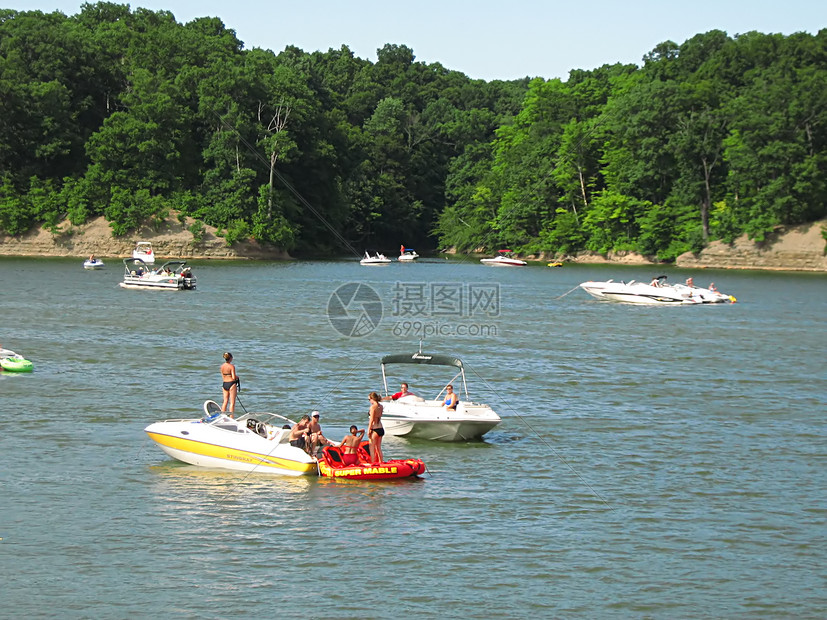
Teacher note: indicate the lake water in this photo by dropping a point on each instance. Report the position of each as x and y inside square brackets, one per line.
[652, 461]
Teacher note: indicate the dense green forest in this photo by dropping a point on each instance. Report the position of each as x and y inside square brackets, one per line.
[134, 116]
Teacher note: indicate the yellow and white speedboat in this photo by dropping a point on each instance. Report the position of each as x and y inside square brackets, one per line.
[256, 442]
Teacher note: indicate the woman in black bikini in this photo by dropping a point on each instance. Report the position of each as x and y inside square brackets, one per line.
[231, 382]
[375, 428]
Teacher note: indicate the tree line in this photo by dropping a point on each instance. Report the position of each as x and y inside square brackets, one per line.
[132, 115]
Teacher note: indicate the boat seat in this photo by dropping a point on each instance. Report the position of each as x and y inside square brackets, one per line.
[334, 455]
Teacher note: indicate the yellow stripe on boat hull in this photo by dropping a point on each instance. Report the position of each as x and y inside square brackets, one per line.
[231, 454]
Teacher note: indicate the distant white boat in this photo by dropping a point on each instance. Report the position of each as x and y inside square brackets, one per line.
[505, 258]
[143, 250]
[93, 263]
[408, 254]
[172, 275]
[657, 292]
[376, 259]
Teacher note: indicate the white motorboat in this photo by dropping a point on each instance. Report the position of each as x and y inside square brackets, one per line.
[657, 292]
[254, 442]
[651, 294]
[504, 258]
[376, 259]
[173, 275]
[143, 250]
[414, 416]
[595, 288]
[408, 254]
[93, 263]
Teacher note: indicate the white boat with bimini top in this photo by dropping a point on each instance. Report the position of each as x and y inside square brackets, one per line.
[173, 275]
[504, 258]
[414, 416]
[407, 255]
[255, 442]
[376, 259]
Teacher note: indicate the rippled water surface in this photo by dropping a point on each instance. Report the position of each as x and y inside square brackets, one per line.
[652, 461]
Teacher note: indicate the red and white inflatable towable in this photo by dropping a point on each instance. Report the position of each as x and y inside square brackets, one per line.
[331, 465]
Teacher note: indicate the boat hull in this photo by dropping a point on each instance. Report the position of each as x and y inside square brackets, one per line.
[95, 265]
[430, 420]
[505, 262]
[438, 430]
[10, 364]
[207, 447]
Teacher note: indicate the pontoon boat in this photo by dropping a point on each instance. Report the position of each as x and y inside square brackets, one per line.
[173, 275]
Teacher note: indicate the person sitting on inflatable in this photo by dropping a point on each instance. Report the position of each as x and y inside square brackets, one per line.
[350, 445]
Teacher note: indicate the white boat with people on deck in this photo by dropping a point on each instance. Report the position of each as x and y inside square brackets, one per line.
[143, 250]
[376, 259]
[92, 263]
[504, 258]
[174, 275]
[408, 415]
[254, 442]
[407, 254]
[656, 292]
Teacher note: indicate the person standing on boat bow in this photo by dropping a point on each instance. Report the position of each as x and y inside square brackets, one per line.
[375, 429]
[230, 384]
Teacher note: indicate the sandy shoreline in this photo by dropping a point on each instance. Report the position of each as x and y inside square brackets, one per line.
[797, 248]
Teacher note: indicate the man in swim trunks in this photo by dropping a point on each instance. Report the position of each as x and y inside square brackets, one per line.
[317, 439]
[300, 433]
[350, 444]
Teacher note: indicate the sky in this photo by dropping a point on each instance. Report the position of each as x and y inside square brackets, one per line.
[503, 40]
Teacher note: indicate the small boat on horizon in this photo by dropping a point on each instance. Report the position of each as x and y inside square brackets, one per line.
[376, 259]
[93, 263]
[173, 275]
[143, 250]
[407, 255]
[504, 258]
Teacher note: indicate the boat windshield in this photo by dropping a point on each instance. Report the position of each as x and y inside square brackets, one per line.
[272, 419]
